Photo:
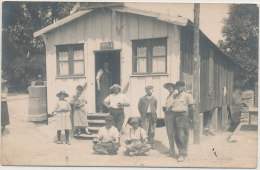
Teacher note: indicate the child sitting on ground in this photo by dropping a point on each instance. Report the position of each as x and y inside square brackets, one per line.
[137, 140]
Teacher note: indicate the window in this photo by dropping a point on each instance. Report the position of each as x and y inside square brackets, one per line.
[70, 60]
[149, 56]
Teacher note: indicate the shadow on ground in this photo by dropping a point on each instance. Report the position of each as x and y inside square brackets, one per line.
[249, 128]
[160, 147]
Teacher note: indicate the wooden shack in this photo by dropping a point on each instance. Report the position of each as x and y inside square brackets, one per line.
[142, 47]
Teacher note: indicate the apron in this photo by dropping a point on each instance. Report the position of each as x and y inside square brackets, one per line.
[105, 84]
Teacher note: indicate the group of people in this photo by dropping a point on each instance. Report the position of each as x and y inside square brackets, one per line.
[178, 110]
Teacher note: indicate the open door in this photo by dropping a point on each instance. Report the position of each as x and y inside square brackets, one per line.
[113, 60]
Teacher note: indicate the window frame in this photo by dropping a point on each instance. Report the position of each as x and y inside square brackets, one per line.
[149, 44]
[70, 48]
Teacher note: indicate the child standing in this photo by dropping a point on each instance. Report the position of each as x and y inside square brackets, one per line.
[63, 121]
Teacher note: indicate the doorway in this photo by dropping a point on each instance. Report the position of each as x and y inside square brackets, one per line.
[112, 57]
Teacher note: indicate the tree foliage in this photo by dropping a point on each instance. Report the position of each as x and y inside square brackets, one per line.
[240, 42]
[23, 56]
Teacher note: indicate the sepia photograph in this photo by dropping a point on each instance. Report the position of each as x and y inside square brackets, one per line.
[129, 84]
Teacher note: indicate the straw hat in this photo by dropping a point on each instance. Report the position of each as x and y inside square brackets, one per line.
[115, 86]
[167, 85]
[62, 92]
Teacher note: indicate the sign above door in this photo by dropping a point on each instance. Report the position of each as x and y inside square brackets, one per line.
[106, 45]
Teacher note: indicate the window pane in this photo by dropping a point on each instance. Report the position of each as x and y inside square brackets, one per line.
[78, 67]
[159, 64]
[64, 68]
[63, 55]
[159, 50]
[141, 52]
[78, 54]
[141, 65]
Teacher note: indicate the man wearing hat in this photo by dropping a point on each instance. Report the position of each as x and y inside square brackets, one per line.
[169, 116]
[107, 141]
[181, 104]
[136, 139]
[147, 106]
[115, 103]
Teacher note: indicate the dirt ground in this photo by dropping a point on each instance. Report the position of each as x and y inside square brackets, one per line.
[27, 143]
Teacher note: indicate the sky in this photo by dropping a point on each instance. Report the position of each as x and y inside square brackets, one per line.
[211, 15]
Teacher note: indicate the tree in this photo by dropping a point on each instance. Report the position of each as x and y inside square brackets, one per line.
[23, 56]
[240, 42]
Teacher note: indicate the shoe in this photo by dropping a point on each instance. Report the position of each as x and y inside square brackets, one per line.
[131, 153]
[210, 133]
[59, 142]
[88, 133]
[171, 154]
[181, 159]
[68, 142]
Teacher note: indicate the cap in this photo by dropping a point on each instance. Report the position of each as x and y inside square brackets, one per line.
[148, 87]
[109, 119]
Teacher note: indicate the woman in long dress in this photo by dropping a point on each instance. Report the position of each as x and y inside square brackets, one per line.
[80, 120]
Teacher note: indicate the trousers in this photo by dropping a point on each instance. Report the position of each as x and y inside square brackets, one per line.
[106, 148]
[118, 116]
[149, 126]
[138, 146]
[177, 126]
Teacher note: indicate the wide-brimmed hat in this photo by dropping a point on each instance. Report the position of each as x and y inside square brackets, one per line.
[115, 86]
[180, 83]
[167, 85]
[148, 87]
[62, 92]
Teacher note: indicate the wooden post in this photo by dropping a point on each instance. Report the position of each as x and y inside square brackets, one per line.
[196, 73]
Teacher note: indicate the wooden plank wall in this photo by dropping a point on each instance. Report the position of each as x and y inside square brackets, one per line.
[216, 71]
[102, 25]
[141, 27]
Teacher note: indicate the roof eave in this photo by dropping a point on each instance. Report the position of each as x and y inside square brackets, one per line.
[61, 22]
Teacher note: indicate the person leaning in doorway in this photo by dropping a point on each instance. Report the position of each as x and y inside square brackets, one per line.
[147, 106]
[115, 103]
[104, 82]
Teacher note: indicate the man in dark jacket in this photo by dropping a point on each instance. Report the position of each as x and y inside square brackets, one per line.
[147, 107]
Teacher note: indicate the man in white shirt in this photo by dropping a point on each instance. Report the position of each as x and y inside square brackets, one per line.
[115, 103]
[107, 141]
[136, 139]
[104, 82]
